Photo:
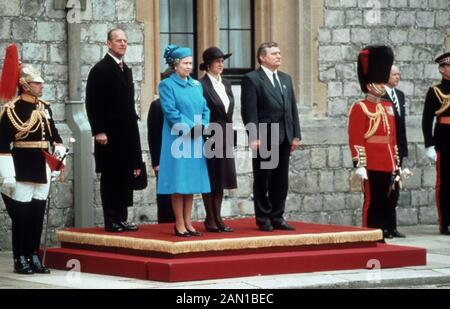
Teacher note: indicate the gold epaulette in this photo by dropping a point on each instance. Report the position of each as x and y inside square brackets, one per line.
[353, 105]
[444, 99]
[7, 105]
[12, 103]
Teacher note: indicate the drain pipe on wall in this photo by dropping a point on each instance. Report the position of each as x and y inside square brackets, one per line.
[83, 167]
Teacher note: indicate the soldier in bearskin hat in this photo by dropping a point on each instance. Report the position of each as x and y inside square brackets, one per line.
[372, 138]
[27, 124]
[437, 105]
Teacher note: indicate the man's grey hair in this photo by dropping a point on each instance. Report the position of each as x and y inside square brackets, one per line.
[262, 50]
[110, 32]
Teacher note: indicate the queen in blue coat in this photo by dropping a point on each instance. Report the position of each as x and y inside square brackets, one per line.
[183, 170]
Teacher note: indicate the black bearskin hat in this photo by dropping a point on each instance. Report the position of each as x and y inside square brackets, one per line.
[374, 65]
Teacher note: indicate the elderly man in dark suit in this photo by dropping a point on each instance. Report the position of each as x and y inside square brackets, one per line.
[397, 97]
[113, 119]
[268, 98]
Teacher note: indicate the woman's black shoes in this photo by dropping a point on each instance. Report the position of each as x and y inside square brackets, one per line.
[212, 229]
[195, 233]
[184, 234]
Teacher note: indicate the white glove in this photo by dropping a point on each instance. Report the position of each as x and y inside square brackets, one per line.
[8, 186]
[9, 183]
[430, 152]
[59, 152]
[361, 172]
[55, 174]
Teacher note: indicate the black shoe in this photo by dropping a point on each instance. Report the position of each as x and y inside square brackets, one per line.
[114, 228]
[184, 234]
[397, 234]
[283, 226]
[37, 266]
[194, 233]
[266, 228]
[387, 234]
[130, 227]
[226, 229]
[22, 267]
[211, 229]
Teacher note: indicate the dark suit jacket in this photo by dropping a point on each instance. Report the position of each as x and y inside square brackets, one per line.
[400, 123]
[155, 122]
[261, 103]
[110, 109]
[218, 114]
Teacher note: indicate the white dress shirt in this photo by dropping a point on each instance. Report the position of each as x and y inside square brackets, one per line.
[269, 74]
[219, 87]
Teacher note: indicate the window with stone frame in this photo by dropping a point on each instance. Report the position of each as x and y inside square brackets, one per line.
[177, 19]
[237, 36]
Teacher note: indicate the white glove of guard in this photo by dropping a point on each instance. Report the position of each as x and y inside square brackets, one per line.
[8, 185]
[430, 152]
[59, 152]
[361, 172]
[55, 174]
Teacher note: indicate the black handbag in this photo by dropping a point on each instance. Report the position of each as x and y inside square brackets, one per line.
[140, 182]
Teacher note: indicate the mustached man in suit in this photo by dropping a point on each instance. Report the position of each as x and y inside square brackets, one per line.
[268, 98]
[397, 97]
[114, 123]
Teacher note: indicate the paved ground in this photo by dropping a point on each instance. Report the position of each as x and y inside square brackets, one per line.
[436, 274]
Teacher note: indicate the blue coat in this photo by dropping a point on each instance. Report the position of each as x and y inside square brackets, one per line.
[182, 168]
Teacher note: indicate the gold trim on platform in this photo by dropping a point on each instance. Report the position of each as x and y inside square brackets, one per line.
[218, 244]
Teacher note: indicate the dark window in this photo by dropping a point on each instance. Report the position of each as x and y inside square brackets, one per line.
[177, 26]
[236, 36]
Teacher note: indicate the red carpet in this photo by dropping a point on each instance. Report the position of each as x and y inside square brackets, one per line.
[202, 258]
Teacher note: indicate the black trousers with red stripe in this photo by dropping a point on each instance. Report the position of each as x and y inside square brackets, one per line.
[379, 202]
[442, 190]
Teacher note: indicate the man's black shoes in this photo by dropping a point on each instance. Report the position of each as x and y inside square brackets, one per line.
[397, 234]
[128, 227]
[114, 228]
[283, 226]
[266, 228]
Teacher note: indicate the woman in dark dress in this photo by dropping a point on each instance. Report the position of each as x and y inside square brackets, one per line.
[221, 168]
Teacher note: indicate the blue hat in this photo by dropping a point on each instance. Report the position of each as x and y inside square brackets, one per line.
[175, 52]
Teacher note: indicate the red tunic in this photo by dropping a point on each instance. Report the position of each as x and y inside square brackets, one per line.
[372, 135]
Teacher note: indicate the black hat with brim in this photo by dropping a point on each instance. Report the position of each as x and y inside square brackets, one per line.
[211, 54]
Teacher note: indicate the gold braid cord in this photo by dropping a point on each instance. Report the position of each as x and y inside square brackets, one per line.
[375, 119]
[444, 99]
[33, 124]
[367, 235]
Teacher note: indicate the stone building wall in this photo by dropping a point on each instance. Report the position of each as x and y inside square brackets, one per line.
[321, 188]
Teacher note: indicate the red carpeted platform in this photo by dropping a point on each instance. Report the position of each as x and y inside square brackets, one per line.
[154, 253]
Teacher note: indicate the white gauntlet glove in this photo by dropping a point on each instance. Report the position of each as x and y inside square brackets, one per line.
[361, 172]
[7, 174]
[59, 152]
[430, 152]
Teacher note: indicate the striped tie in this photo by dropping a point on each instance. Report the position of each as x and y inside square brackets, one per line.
[394, 100]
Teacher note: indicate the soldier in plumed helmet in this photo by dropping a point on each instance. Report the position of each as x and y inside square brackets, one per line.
[27, 125]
